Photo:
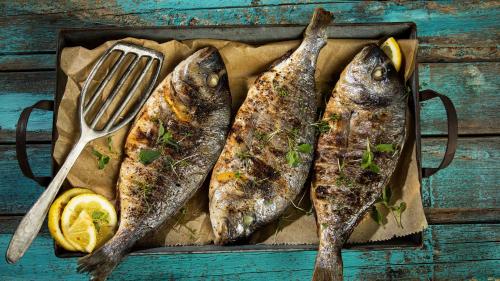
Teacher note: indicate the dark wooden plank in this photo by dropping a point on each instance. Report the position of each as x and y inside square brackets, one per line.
[22, 89]
[473, 88]
[467, 84]
[462, 215]
[443, 247]
[471, 181]
[449, 31]
[27, 62]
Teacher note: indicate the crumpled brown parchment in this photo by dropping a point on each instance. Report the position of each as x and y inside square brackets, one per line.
[243, 62]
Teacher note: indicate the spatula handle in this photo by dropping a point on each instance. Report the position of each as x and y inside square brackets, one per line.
[32, 222]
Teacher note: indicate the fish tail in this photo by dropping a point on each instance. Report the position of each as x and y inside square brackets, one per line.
[100, 263]
[317, 27]
[328, 265]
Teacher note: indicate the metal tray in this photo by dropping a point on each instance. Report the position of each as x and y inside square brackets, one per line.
[91, 38]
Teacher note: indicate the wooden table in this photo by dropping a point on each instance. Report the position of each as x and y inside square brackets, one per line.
[459, 56]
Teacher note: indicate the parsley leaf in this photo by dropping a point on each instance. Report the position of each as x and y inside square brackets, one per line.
[367, 160]
[334, 117]
[102, 160]
[147, 156]
[99, 218]
[304, 148]
[322, 126]
[166, 137]
[384, 147]
[110, 144]
[293, 158]
[377, 216]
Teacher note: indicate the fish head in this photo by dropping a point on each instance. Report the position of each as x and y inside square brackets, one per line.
[370, 79]
[201, 79]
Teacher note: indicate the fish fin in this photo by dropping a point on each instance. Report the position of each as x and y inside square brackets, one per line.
[100, 263]
[319, 21]
[328, 265]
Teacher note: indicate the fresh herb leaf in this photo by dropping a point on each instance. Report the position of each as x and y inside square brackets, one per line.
[147, 156]
[334, 117]
[102, 159]
[367, 160]
[166, 137]
[99, 218]
[110, 144]
[398, 211]
[293, 158]
[384, 147]
[377, 216]
[322, 126]
[244, 154]
[386, 196]
[305, 148]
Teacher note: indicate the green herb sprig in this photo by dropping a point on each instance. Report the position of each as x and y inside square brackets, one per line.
[147, 156]
[99, 218]
[367, 159]
[102, 160]
[166, 137]
[395, 210]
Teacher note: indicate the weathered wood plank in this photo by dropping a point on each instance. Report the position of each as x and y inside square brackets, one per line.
[409, 263]
[473, 88]
[27, 62]
[462, 215]
[17, 192]
[471, 181]
[449, 31]
[22, 89]
[467, 84]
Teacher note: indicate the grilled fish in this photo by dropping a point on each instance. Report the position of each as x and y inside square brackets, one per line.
[171, 147]
[268, 153]
[356, 157]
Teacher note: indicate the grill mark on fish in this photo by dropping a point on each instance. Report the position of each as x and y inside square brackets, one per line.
[372, 112]
[198, 116]
[273, 120]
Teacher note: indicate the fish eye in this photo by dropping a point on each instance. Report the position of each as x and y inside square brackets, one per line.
[378, 73]
[212, 80]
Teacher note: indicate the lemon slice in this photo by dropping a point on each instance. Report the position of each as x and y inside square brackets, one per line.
[55, 215]
[392, 50]
[101, 211]
[82, 234]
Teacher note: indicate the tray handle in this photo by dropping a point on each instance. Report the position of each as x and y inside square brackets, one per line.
[22, 156]
[451, 145]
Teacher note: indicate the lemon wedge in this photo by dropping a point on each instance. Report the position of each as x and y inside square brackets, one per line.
[392, 50]
[55, 215]
[101, 213]
[82, 234]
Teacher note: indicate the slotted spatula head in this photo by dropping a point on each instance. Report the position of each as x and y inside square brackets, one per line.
[130, 56]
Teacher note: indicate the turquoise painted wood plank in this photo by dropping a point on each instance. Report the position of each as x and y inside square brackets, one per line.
[467, 84]
[17, 192]
[471, 181]
[27, 62]
[22, 89]
[473, 88]
[408, 263]
[449, 30]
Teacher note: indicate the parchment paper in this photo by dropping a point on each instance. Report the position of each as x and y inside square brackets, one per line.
[244, 62]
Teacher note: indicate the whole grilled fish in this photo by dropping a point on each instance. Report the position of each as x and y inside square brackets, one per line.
[356, 157]
[268, 153]
[170, 149]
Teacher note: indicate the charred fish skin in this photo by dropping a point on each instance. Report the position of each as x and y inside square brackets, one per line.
[185, 123]
[268, 153]
[367, 108]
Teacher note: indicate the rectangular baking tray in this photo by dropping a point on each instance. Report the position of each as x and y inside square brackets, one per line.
[255, 35]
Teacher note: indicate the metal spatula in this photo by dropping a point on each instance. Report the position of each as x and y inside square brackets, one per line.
[152, 60]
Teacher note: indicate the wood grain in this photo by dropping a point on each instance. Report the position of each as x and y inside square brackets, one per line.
[467, 84]
[443, 246]
[449, 31]
[471, 180]
[462, 215]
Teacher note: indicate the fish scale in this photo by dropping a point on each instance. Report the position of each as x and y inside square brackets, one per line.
[261, 170]
[367, 108]
[193, 104]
